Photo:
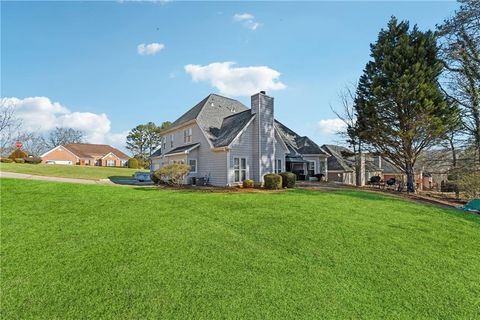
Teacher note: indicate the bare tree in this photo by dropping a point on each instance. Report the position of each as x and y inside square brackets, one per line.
[460, 52]
[347, 114]
[62, 136]
[33, 143]
[9, 125]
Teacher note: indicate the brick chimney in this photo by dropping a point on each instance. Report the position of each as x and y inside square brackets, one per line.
[264, 139]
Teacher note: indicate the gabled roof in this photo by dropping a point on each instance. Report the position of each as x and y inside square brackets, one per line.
[210, 113]
[336, 161]
[296, 143]
[221, 119]
[231, 127]
[90, 150]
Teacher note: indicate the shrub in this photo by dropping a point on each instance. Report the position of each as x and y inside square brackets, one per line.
[173, 173]
[18, 154]
[19, 160]
[469, 184]
[143, 163]
[272, 181]
[289, 179]
[33, 160]
[154, 178]
[6, 160]
[248, 183]
[132, 163]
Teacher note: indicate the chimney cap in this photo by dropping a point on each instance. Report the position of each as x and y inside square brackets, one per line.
[263, 92]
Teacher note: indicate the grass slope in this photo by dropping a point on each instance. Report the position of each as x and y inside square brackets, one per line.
[80, 251]
[66, 171]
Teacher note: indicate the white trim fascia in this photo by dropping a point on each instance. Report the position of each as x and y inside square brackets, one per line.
[111, 154]
[60, 146]
[204, 134]
[242, 131]
[170, 129]
[217, 149]
[281, 139]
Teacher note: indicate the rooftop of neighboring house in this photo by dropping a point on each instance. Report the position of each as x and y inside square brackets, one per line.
[90, 150]
[222, 119]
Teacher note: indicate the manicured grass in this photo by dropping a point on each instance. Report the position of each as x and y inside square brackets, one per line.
[85, 251]
[66, 171]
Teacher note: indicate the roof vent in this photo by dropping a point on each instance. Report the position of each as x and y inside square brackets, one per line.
[263, 92]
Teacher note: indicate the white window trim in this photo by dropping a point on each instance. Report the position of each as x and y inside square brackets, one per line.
[196, 165]
[188, 135]
[277, 169]
[240, 169]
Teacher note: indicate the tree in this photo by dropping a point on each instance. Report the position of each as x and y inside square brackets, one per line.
[33, 143]
[144, 139]
[400, 107]
[63, 136]
[9, 124]
[460, 52]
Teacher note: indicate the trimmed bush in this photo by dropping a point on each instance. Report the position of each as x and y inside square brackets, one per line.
[17, 154]
[19, 160]
[289, 179]
[132, 163]
[33, 160]
[272, 181]
[248, 183]
[6, 160]
[154, 178]
[173, 173]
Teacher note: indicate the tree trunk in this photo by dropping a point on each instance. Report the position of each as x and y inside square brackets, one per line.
[410, 178]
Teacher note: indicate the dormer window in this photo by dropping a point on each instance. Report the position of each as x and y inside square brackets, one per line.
[187, 135]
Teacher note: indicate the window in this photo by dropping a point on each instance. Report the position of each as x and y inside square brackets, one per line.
[311, 168]
[171, 140]
[187, 135]
[110, 163]
[193, 165]
[239, 169]
[278, 166]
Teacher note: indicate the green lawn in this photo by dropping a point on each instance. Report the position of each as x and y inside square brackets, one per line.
[73, 251]
[66, 171]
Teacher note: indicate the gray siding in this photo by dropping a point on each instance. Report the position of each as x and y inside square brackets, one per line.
[209, 163]
[262, 106]
[242, 148]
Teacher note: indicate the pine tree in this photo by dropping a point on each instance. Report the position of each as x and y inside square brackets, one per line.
[400, 107]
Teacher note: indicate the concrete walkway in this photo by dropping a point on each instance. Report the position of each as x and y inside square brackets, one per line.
[15, 175]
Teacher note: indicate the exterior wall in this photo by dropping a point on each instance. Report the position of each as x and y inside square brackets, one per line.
[210, 164]
[342, 177]
[60, 154]
[242, 148]
[280, 152]
[117, 161]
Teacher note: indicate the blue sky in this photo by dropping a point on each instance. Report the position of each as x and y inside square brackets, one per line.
[84, 56]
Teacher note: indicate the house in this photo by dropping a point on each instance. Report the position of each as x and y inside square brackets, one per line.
[86, 154]
[225, 142]
[342, 166]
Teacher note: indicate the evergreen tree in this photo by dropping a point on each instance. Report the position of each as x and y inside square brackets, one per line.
[400, 107]
[144, 139]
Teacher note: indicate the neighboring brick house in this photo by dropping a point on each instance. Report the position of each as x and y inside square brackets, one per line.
[226, 142]
[86, 154]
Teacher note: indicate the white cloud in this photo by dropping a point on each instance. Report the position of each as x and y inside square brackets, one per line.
[40, 114]
[150, 49]
[331, 126]
[247, 20]
[236, 81]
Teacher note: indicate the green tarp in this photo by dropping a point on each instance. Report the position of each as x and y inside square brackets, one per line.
[472, 205]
